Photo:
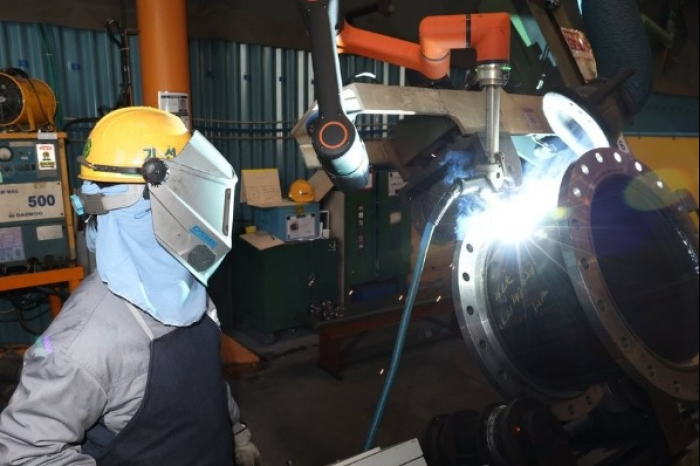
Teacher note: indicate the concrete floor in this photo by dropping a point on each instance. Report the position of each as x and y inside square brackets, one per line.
[300, 415]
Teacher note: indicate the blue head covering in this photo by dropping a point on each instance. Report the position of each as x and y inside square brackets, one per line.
[136, 267]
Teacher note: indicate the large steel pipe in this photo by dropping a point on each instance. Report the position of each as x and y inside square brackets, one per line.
[606, 287]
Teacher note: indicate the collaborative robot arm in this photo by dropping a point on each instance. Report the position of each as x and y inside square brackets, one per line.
[334, 137]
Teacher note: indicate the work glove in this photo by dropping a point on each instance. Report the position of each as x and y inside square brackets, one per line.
[246, 453]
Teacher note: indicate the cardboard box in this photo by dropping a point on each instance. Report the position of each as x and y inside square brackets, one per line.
[277, 219]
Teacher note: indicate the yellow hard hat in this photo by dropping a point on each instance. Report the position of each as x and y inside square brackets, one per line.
[123, 139]
[301, 191]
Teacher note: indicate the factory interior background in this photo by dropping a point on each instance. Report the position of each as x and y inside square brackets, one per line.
[311, 313]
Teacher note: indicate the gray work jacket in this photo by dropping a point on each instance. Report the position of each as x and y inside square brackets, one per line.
[90, 365]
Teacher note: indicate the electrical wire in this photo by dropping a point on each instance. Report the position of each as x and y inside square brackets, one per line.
[23, 302]
[77, 121]
[118, 36]
[22, 321]
[53, 83]
[21, 318]
[29, 300]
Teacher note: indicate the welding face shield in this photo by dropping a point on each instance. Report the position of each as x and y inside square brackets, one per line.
[192, 207]
[191, 197]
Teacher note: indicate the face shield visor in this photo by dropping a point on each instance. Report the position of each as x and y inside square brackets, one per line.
[192, 197]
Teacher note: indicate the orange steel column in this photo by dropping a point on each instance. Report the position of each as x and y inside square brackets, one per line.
[165, 68]
[163, 46]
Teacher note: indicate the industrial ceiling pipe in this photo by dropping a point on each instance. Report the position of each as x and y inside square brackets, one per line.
[619, 42]
[594, 114]
[605, 288]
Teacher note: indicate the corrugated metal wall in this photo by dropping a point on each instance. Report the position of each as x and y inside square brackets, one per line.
[246, 98]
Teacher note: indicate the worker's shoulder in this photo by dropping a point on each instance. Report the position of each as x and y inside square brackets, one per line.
[94, 320]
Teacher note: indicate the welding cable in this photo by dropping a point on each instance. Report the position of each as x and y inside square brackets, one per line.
[24, 323]
[26, 302]
[439, 210]
[23, 320]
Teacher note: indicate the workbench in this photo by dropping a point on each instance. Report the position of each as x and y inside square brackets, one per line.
[371, 316]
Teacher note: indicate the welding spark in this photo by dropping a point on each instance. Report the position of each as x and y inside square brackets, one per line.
[514, 217]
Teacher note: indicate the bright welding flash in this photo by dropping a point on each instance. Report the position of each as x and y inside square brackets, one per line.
[515, 218]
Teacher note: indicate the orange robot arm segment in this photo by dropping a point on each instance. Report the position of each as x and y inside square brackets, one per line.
[490, 37]
[488, 33]
[368, 44]
[438, 36]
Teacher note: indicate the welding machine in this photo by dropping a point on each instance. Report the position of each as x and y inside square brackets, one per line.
[35, 219]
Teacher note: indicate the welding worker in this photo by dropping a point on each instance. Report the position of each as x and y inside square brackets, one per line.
[129, 372]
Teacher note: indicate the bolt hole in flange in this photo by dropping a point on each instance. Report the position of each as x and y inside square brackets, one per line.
[605, 286]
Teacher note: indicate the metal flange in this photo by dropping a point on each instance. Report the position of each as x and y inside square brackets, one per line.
[601, 314]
